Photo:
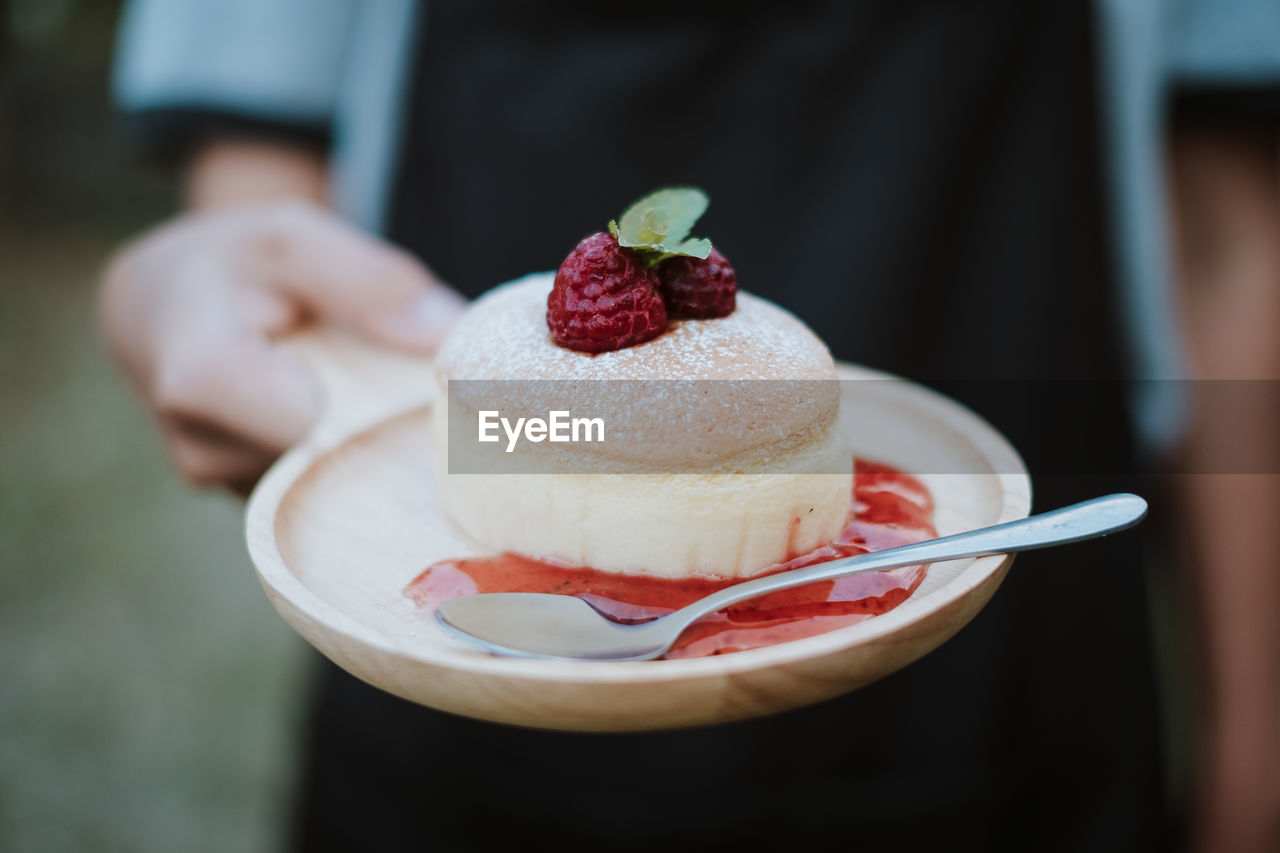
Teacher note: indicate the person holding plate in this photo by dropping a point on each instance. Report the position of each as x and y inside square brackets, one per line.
[964, 195]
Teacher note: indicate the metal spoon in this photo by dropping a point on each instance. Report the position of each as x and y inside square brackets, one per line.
[527, 624]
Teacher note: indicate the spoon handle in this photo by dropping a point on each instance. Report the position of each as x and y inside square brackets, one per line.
[1073, 523]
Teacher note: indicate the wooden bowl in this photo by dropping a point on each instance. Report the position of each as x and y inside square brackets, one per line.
[345, 520]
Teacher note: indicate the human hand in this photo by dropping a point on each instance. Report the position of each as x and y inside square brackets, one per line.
[192, 309]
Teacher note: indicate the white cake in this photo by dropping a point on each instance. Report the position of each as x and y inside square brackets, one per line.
[774, 481]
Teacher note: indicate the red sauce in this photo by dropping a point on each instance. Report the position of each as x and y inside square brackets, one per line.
[889, 508]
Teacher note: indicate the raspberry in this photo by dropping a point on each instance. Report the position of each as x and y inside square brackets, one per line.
[696, 289]
[604, 298]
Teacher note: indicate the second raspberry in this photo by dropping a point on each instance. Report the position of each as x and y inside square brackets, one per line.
[697, 289]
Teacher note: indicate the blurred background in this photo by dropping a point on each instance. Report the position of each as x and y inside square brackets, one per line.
[148, 692]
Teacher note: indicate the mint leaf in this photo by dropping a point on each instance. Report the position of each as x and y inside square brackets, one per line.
[657, 225]
[654, 225]
[697, 247]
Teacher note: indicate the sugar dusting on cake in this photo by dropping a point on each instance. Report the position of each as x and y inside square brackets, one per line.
[505, 336]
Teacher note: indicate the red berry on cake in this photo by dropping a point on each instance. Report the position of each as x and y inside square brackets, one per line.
[604, 298]
[698, 288]
[606, 294]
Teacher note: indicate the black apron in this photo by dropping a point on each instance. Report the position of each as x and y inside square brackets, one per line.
[921, 183]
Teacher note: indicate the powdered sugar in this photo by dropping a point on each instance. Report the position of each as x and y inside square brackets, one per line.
[505, 336]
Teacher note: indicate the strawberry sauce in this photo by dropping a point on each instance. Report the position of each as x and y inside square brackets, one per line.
[889, 508]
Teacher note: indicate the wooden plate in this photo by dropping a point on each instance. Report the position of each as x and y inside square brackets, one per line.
[344, 521]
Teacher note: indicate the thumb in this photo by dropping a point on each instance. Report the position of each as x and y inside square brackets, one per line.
[352, 279]
[241, 387]
[421, 326]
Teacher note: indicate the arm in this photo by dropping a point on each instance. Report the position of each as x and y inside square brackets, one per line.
[228, 173]
[1226, 189]
[191, 308]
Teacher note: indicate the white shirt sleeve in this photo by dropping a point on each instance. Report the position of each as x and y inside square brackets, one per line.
[1225, 43]
[277, 60]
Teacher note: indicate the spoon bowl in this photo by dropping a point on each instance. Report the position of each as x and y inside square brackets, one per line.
[531, 624]
[561, 626]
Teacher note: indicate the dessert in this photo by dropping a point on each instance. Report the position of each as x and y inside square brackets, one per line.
[688, 480]
[721, 452]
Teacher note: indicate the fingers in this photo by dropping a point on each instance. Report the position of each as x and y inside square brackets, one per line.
[422, 326]
[225, 419]
[354, 280]
[207, 455]
[192, 310]
[246, 387]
